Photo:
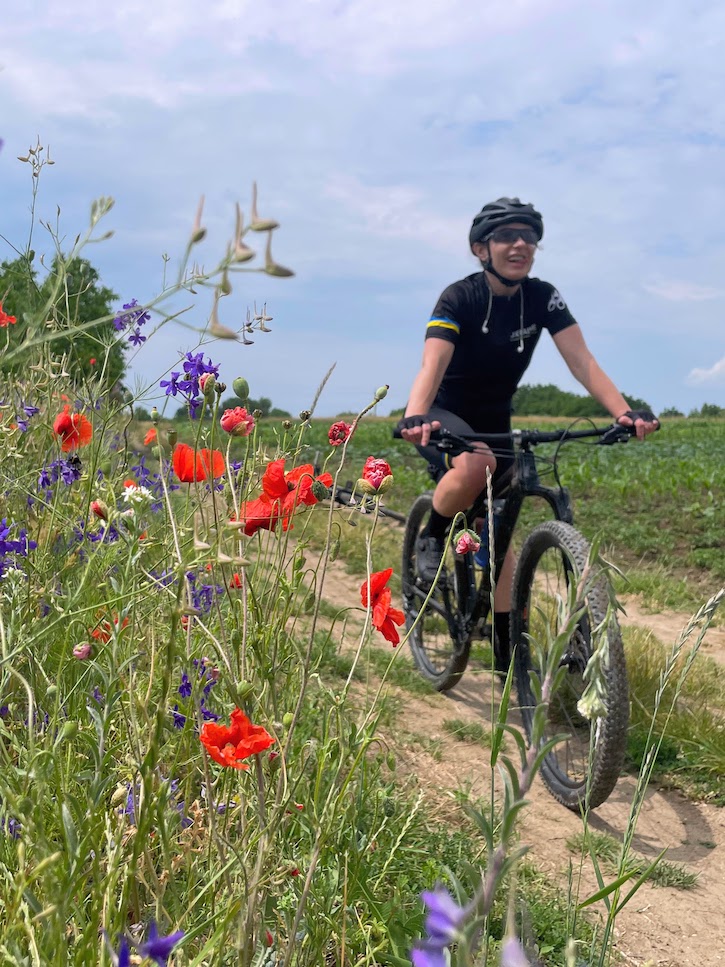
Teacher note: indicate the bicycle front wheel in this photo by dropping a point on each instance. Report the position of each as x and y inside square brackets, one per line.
[582, 770]
[440, 639]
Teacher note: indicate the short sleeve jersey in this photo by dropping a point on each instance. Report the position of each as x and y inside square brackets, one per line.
[487, 366]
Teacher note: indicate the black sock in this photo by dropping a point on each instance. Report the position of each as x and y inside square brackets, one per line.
[502, 635]
[437, 525]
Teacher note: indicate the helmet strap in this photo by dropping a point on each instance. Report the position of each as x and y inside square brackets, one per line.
[488, 267]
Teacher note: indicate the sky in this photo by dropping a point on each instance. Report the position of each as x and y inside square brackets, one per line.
[375, 130]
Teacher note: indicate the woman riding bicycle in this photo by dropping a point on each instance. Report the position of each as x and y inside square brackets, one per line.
[478, 344]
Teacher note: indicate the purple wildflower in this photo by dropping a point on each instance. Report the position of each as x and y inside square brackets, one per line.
[185, 687]
[136, 339]
[179, 717]
[135, 316]
[513, 954]
[159, 948]
[442, 925]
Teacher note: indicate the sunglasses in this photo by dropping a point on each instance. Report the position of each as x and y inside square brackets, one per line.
[507, 236]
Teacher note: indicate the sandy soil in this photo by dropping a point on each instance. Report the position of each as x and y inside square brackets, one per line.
[667, 927]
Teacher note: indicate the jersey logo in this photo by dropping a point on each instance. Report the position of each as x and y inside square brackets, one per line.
[556, 301]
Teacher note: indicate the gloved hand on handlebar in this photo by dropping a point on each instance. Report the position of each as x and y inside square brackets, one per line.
[643, 420]
[416, 428]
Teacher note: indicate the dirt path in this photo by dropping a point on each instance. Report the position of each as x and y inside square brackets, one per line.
[666, 927]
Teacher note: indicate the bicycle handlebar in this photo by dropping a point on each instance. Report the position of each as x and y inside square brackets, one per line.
[608, 435]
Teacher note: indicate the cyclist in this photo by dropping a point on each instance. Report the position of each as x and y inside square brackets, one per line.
[478, 344]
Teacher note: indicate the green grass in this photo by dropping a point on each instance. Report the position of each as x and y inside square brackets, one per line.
[692, 754]
[607, 851]
[471, 732]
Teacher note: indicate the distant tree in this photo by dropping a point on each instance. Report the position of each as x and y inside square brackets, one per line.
[709, 409]
[264, 404]
[671, 411]
[549, 400]
[141, 414]
[69, 296]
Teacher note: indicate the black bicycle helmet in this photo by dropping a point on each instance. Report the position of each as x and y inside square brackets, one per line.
[504, 211]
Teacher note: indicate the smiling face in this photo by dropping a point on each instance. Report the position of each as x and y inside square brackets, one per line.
[512, 257]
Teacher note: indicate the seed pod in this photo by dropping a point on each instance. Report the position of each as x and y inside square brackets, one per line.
[241, 388]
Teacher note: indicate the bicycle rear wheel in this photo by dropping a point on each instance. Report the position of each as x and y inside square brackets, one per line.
[582, 770]
[440, 639]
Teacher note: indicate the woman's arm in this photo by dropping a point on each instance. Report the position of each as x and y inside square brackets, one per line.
[584, 367]
[437, 354]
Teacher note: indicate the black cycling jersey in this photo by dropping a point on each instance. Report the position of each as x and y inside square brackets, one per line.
[494, 338]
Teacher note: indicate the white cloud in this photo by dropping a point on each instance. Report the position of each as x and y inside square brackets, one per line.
[716, 374]
[680, 291]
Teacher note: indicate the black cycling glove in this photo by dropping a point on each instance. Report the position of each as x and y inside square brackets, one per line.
[645, 415]
[411, 422]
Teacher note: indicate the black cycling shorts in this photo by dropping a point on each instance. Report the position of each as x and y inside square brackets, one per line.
[494, 422]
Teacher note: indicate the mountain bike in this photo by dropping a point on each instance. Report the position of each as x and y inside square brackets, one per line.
[444, 619]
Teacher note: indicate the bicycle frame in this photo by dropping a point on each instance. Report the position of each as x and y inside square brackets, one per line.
[525, 483]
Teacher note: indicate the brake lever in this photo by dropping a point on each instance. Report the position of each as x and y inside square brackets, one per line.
[617, 433]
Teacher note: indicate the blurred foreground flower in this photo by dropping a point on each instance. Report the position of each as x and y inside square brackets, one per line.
[512, 954]
[338, 433]
[442, 926]
[192, 465]
[5, 319]
[150, 436]
[74, 429]
[384, 617]
[158, 948]
[229, 744]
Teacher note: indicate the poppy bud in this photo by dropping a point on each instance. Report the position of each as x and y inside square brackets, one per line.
[287, 719]
[287, 424]
[305, 415]
[319, 490]
[67, 733]
[334, 550]
[50, 692]
[225, 286]
[366, 488]
[173, 436]
[381, 392]
[207, 382]
[100, 509]
[154, 416]
[241, 388]
[386, 484]
[82, 651]
[244, 690]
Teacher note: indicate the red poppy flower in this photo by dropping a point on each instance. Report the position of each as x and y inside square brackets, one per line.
[237, 421]
[236, 581]
[384, 617]
[150, 436]
[74, 429]
[105, 629]
[338, 433]
[92, 361]
[375, 471]
[5, 319]
[282, 493]
[192, 465]
[229, 744]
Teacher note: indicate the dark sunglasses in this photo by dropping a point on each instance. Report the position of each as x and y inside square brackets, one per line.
[507, 236]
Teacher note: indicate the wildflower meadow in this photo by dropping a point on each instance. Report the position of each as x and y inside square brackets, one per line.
[186, 777]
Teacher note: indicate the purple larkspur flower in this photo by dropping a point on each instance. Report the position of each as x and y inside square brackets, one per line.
[185, 687]
[179, 717]
[134, 316]
[513, 954]
[159, 948]
[442, 925]
[30, 410]
[136, 339]
[97, 695]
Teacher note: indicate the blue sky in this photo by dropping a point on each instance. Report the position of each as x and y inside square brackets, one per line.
[376, 129]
